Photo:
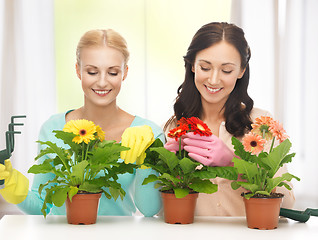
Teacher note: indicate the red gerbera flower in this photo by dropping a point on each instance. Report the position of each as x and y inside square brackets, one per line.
[178, 131]
[197, 126]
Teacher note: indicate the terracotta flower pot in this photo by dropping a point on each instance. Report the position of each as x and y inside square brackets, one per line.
[262, 213]
[179, 210]
[83, 208]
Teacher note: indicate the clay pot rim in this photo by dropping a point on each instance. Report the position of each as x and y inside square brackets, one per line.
[169, 192]
[278, 195]
[82, 192]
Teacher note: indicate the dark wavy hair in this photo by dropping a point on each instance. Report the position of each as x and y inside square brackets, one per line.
[239, 105]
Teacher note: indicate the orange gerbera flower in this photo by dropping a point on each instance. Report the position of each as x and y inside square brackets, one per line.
[278, 131]
[197, 126]
[253, 143]
[261, 127]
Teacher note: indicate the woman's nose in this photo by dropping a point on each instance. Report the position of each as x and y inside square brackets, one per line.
[214, 78]
[102, 81]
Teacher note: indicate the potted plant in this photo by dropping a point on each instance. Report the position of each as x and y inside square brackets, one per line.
[85, 169]
[257, 162]
[181, 178]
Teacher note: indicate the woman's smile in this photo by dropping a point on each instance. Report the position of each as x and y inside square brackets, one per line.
[101, 93]
[213, 90]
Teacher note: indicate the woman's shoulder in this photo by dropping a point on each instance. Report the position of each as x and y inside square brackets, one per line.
[257, 112]
[54, 122]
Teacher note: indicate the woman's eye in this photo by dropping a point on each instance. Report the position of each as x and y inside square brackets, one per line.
[205, 69]
[227, 72]
[92, 73]
[113, 73]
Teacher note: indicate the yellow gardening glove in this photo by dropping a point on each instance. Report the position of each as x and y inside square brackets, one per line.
[16, 185]
[138, 139]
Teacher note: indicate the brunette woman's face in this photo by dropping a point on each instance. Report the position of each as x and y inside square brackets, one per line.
[216, 70]
[102, 70]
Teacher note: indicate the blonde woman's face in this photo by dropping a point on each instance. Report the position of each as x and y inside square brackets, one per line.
[101, 70]
[216, 70]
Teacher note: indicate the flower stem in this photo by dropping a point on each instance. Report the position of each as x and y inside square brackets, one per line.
[83, 151]
[272, 145]
[86, 153]
[180, 147]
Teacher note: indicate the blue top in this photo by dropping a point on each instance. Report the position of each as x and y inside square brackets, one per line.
[145, 197]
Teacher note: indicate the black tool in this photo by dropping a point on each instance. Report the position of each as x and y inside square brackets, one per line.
[9, 135]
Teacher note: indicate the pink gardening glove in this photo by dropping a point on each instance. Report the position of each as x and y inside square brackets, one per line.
[172, 145]
[208, 150]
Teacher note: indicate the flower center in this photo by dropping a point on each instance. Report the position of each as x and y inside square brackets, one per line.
[253, 143]
[82, 132]
[200, 127]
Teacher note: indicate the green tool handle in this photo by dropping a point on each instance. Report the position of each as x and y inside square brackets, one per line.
[1, 181]
[294, 214]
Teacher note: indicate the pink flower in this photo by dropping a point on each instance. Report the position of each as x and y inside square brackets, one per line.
[253, 143]
[261, 127]
[278, 131]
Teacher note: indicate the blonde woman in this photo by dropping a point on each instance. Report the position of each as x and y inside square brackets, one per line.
[101, 66]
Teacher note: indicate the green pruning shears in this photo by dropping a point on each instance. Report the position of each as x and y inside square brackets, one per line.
[6, 153]
[300, 216]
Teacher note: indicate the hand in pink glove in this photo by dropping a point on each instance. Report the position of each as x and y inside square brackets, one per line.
[172, 145]
[208, 150]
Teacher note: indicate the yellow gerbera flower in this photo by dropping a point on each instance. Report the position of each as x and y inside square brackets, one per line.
[100, 133]
[83, 128]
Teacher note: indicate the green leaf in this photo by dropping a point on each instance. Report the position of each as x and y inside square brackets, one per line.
[45, 167]
[248, 168]
[235, 185]
[204, 174]
[224, 172]
[168, 157]
[187, 165]
[169, 177]
[274, 182]
[275, 158]
[263, 193]
[67, 138]
[249, 186]
[60, 195]
[239, 151]
[248, 195]
[288, 158]
[149, 179]
[203, 186]
[59, 151]
[181, 192]
[114, 192]
[44, 152]
[78, 171]
[72, 192]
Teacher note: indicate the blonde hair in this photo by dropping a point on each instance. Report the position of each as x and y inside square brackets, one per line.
[97, 38]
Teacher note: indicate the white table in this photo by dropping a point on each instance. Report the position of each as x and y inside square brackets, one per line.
[214, 228]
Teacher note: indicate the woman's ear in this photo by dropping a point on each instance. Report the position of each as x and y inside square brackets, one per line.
[78, 71]
[241, 74]
[125, 72]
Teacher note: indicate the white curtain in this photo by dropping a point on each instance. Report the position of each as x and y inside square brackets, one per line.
[283, 35]
[27, 73]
